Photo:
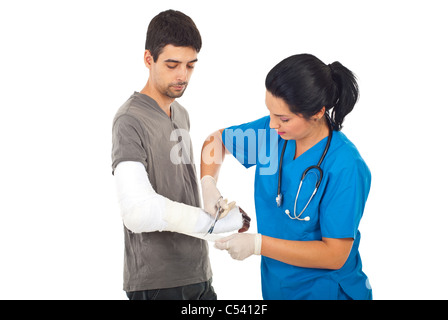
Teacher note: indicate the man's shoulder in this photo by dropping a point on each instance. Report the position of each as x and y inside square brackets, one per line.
[135, 107]
[123, 111]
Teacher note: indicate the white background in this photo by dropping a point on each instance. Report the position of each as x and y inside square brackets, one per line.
[67, 66]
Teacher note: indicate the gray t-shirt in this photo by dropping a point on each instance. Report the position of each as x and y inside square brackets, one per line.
[142, 132]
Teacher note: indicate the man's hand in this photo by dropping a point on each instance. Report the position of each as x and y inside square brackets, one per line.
[237, 219]
[246, 221]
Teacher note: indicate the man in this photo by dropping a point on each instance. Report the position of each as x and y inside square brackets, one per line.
[153, 168]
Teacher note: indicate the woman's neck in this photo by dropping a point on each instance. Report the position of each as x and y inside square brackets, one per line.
[317, 134]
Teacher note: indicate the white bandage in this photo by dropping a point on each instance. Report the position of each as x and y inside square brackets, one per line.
[143, 210]
[180, 216]
[140, 207]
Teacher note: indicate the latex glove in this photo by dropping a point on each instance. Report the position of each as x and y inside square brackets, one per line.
[211, 197]
[241, 245]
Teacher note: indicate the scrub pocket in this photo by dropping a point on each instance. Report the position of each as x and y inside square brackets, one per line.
[355, 289]
[342, 295]
[320, 288]
[326, 288]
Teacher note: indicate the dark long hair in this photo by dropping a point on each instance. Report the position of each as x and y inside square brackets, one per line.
[306, 84]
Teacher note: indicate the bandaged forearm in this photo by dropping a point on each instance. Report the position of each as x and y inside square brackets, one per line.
[143, 210]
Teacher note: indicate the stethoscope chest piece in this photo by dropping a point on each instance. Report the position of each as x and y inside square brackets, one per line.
[307, 218]
[279, 198]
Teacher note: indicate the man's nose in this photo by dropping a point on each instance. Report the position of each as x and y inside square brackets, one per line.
[182, 74]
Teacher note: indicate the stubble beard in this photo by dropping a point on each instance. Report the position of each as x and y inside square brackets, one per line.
[172, 93]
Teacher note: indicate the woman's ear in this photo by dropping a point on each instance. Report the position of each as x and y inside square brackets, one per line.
[320, 114]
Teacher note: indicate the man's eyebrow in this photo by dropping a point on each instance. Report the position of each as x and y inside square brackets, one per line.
[177, 61]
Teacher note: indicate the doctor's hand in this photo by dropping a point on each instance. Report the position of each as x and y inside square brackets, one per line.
[212, 197]
[241, 245]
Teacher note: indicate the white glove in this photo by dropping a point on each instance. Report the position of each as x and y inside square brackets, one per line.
[241, 245]
[211, 197]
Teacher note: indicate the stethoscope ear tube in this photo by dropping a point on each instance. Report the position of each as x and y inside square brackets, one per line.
[319, 179]
[279, 198]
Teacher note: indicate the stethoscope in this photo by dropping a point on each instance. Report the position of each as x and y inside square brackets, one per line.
[279, 198]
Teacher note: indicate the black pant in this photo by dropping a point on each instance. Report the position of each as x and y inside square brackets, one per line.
[197, 291]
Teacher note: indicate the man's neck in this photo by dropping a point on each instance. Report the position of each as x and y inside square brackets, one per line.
[163, 101]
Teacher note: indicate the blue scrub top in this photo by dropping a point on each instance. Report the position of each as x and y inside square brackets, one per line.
[335, 211]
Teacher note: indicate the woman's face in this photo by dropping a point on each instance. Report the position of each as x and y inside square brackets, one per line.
[288, 125]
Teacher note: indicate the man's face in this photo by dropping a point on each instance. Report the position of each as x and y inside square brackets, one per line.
[173, 69]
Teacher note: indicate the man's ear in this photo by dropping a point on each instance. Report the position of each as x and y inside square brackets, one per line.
[148, 59]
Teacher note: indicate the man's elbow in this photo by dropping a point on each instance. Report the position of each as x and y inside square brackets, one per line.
[138, 219]
[132, 224]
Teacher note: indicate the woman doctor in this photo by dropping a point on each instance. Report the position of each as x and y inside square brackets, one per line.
[308, 242]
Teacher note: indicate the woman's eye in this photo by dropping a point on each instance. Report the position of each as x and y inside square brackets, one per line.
[284, 120]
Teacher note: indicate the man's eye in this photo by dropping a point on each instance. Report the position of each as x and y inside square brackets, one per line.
[171, 66]
[190, 66]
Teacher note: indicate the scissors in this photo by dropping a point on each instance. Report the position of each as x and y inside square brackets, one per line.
[219, 212]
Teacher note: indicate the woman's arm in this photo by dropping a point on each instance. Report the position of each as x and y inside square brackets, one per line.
[212, 155]
[326, 254]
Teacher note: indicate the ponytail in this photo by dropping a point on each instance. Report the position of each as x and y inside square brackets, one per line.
[347, 93]
[307, 84]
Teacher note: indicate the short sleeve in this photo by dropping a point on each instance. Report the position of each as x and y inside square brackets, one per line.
[345, 197]
[127, 141]
[242, 141]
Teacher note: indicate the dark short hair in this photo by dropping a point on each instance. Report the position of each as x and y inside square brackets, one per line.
[307, 84]
[171, 27]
